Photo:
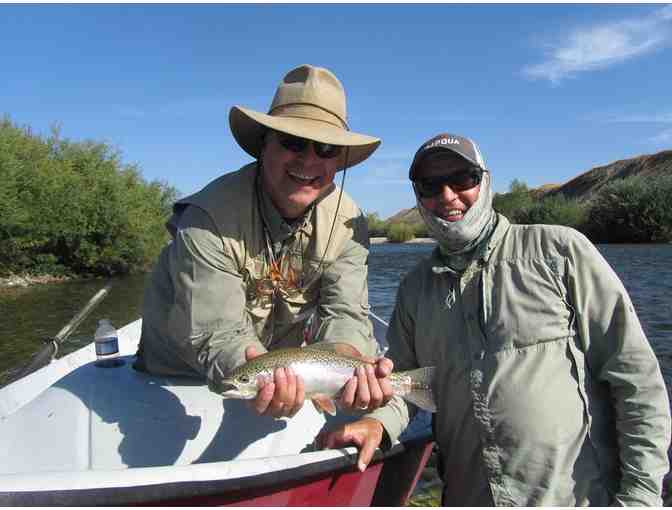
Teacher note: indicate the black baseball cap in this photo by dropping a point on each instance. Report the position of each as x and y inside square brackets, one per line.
[463, 147]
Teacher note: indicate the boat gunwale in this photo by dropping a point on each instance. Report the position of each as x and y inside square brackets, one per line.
[182, 490]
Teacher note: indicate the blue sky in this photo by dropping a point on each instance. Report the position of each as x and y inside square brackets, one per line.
[548, 91]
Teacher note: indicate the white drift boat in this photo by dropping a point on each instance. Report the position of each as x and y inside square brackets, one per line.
[73, 433]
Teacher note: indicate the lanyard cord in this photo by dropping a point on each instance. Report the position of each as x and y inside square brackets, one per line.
[270, 253]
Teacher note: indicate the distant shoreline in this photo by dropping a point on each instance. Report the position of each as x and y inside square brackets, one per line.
[417, 240]
[26, 280]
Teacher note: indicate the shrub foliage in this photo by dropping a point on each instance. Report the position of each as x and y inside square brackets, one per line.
[73, 208]
[400, 232]
[633, 210]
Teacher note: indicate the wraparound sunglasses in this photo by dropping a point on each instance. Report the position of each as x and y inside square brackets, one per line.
[460, 181]
[298, 145]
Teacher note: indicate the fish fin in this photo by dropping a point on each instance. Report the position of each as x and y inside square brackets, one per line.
[322, 346]
[421, 393]
[324, 403]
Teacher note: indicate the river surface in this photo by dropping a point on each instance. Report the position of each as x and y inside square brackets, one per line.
[28, 315]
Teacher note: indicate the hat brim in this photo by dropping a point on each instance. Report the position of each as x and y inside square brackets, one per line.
[248, 128]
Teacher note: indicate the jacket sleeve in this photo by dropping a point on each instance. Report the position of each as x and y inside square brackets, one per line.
[208, 317]
[397, 414]
[344, 296]
[619, 355]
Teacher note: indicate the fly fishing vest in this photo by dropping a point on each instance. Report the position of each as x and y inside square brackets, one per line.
[281, 297]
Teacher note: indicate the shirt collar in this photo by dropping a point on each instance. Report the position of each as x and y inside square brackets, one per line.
[279, 229]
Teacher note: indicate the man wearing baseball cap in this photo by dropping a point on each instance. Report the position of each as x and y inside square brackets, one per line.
[548, 392]
[272, 255]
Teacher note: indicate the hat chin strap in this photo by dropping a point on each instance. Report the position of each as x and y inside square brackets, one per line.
[460, 237]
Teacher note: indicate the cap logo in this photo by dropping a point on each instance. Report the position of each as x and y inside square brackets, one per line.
[441, 141]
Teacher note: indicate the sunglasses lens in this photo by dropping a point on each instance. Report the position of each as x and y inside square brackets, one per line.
[465, 181]
[428, 188]
[298, 145]
[292, 143]
[326, 150]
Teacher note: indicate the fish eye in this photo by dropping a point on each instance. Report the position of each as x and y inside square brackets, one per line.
[244, 379]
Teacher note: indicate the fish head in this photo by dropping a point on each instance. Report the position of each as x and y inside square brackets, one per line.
[241, 384]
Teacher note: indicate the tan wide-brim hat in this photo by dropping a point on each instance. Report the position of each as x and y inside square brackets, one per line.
[310, 103]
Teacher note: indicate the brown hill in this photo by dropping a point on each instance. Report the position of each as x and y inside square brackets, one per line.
[586, 185]
[410, 216]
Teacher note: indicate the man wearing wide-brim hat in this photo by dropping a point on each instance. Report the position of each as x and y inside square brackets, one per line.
[272, 255]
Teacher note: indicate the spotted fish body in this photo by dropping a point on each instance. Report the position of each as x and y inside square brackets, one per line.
[324, 373]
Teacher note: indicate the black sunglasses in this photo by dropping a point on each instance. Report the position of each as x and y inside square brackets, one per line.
[460, 181]
[298, 145]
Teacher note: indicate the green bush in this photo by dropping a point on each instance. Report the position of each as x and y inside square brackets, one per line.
[633, 210]
[554, 210]
[400, 232]
[377, 227]
[73, 207]
[421, 230]
[517, 199]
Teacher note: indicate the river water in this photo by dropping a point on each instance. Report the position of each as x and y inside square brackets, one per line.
[28, 315]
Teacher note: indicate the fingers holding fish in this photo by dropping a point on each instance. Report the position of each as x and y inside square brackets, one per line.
[363, 397]
[296, 393]
[251, 352]
[264, 397]
[348, 393]
[384, 367]
[377, 383]
[283, 396]
[375, 390]
[369, 388]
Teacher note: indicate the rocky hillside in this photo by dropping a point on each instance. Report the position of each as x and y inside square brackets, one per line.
[589, 183]
[409, 216]
[584, 186]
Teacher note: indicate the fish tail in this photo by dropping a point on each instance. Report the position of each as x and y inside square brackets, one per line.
[417, 387]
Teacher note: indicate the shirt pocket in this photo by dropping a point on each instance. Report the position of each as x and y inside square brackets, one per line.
[526, 304]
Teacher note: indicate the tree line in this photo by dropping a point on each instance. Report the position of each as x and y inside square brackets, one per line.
[637, 209]
[73, 208]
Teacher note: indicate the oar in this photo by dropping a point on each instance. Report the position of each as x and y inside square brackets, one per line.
[47, 354]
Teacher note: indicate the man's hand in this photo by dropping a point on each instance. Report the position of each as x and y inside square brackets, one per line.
[366, 434]
[283, 396]
[370, 388]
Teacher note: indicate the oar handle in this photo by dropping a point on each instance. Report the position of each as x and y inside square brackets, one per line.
[77, 319]
[47, 353]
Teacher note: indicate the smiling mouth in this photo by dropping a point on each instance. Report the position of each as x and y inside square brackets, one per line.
[305, 180]
[453, 215]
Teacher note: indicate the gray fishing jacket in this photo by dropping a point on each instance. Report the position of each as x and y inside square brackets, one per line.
[548, 391]
[213, 291]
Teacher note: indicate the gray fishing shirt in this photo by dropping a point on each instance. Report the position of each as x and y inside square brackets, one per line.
[214, 292]
[548, 391]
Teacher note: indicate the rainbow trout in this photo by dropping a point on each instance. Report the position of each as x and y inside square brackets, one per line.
[324, 373]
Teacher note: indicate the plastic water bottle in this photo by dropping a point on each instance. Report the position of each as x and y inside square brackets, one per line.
[107, 344]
